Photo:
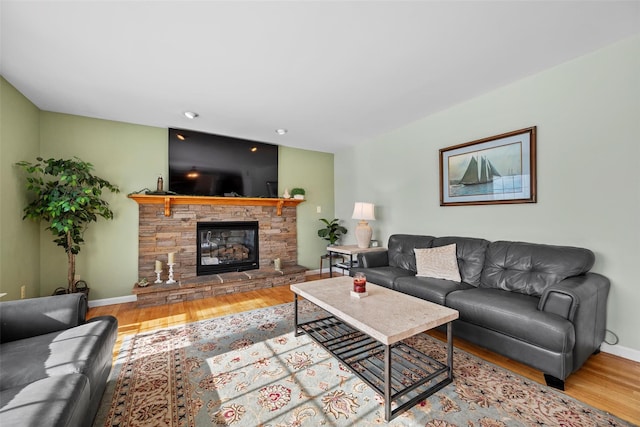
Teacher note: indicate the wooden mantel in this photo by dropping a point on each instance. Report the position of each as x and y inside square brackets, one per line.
[168, 200]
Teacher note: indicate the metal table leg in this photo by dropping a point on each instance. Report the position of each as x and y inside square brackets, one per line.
[387, 383]
[330, 264]
[296, 330]
[450, 349]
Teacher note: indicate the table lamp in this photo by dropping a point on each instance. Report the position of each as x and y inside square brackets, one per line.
[363, 212]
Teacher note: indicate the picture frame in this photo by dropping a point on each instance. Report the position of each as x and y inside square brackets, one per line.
[500, 169]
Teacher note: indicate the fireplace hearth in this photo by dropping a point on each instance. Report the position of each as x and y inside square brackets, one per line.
[226, 246]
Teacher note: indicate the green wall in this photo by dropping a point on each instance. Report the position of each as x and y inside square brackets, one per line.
[19, 248]
[130, 156]
[588, 116]
[312, 171]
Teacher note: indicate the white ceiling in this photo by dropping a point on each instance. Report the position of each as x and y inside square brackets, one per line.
[334, 73]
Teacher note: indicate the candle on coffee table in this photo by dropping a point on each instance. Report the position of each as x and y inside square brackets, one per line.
[359, 283]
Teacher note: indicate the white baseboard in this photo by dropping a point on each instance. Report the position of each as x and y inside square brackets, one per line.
[627, 353]
[110, 301]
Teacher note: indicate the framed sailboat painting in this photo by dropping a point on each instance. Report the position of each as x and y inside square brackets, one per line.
[495, 170]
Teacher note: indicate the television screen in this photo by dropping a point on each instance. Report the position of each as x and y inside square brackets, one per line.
[202, 164]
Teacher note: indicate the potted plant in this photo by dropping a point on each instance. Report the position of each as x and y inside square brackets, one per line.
[332, 230]
[67, 195]
[297, 193]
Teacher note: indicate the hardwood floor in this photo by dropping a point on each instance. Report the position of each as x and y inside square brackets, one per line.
[607, 382]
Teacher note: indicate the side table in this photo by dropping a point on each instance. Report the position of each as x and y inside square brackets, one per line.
[331, 257]
[350, 251]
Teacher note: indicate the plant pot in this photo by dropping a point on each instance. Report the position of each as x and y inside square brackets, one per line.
[299, 196]
[60, 291]
[81, 286]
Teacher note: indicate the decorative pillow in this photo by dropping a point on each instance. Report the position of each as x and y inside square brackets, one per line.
[440, 262]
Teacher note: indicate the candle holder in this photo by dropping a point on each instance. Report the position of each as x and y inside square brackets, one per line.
[170, 281]
[158, 276]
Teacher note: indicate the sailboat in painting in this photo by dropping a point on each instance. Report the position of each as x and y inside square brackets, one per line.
[479, 174]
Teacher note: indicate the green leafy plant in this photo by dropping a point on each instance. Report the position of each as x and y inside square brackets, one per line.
[332, 230]
[68, 196]
[297, 192]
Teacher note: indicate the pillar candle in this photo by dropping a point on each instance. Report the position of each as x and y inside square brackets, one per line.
[158, 265]
[172, 257]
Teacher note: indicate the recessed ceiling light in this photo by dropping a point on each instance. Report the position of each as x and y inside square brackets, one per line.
[281, 131]
[181, 137]
[254, 149]
[190, 114]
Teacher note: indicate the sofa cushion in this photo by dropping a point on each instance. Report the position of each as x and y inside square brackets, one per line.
[530, 268]
[58, 401]
[440, 262]
[401, 248]
[383, 276]
[470, 252]
[85, 349]
[428, 288]
[515, 315]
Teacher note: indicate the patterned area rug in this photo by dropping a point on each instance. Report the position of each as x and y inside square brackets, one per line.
[249, 369]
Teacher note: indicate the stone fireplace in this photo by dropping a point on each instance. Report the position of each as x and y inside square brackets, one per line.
[169, 224]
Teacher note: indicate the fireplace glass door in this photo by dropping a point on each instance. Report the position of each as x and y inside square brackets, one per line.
[227, 246]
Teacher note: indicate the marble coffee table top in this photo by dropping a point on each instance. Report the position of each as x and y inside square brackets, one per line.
[385, 315]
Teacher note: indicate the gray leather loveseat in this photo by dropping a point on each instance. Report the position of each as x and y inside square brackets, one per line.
[537, 304]
[54, 365]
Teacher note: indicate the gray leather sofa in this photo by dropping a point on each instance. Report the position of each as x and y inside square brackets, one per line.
[54, 364]
[537, 304]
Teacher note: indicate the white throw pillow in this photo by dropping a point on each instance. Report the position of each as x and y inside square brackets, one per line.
[439, 263]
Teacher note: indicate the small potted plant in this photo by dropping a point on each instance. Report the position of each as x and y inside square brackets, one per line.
[332, 232]
[298, 193]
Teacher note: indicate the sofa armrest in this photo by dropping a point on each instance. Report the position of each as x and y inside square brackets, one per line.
[583, 301]
[565, 297]
[37, 316]
[373, 259]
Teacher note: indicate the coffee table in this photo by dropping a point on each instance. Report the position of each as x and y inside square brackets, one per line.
[366, 335]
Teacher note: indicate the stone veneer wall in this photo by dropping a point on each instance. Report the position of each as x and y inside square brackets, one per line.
[159, 235]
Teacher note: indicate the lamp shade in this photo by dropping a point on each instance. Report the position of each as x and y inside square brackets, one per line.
[364, 211]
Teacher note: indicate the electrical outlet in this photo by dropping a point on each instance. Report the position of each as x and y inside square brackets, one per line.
[76, 278]
[23, 291]
[318, 209]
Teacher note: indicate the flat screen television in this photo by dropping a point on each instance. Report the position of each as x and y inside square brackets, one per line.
[202, 164]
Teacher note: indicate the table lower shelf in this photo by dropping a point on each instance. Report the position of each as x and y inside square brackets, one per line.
[414, 375]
